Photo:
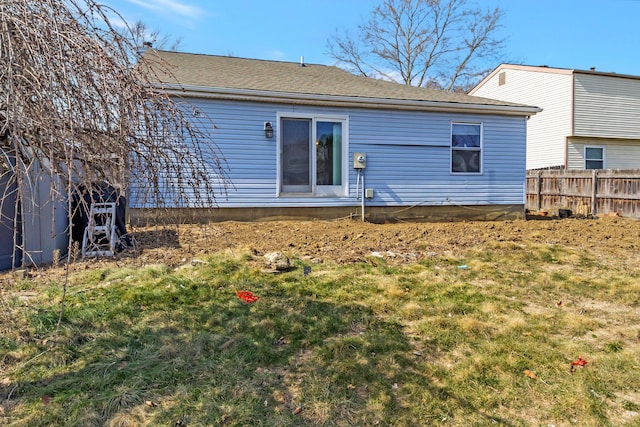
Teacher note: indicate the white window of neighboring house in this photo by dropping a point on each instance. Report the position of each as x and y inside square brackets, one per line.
[466, 148]
[312, 155]
[594, 157]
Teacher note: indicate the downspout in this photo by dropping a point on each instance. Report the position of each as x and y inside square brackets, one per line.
[572, 130]
[362, 198]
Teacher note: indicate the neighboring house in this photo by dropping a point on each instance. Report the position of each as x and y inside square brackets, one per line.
[37, 224]
[8, 212]
[306, 140]
[589, 119]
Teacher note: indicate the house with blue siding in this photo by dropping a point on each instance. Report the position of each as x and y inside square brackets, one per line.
[314, 141]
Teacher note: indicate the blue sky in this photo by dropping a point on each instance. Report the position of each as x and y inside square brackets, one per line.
[559, 33]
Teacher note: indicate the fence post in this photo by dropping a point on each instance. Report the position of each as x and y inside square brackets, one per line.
[594, 190]
[539, 189]
[562, 185]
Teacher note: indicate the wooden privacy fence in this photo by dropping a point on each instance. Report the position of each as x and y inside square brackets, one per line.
[585, 192]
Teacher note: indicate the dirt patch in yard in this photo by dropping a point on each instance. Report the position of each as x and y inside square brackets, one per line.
[610, 239]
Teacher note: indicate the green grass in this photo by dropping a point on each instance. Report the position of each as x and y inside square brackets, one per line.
[365, 344]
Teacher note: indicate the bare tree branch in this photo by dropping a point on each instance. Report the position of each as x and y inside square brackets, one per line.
[139, 34]
[346, 51]
[477, 43]
[78, 107]
[438, 43]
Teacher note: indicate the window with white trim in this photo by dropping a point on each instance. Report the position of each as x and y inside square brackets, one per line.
[594, 157]
[312, 156]
[466, 148]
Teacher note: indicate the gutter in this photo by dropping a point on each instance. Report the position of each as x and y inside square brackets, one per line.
[342, 100]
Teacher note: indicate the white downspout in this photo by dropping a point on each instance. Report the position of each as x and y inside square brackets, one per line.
[362, 197]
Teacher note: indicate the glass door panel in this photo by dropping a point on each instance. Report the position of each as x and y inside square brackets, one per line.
[328, 153]
[296, 155]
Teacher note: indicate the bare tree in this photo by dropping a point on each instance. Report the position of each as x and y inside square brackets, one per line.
[436, 43]
[76, 107]
[139, 34]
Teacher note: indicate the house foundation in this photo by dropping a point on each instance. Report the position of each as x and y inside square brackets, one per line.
[374, 214]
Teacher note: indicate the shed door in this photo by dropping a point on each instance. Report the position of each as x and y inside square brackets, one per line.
[7, 217]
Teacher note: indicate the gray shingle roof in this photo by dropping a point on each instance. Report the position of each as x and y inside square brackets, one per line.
[224, 72]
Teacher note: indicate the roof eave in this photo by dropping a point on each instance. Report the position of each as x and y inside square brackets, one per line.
[342, 101]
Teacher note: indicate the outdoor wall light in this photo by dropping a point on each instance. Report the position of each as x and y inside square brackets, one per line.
[268, 130]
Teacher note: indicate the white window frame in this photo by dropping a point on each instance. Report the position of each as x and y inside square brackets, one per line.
[316, 190]
[479, 149]
[599, 147]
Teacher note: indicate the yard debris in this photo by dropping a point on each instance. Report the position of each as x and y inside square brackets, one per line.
[406, 257]
[564, 213]
[280, 341]
[228, 343]
[277, 261]
[530, 374]
[580, 362]
[247, 296]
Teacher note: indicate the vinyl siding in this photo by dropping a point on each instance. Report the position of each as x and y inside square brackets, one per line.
[408, 157]
[547, 130]
[618, 154]
[421, 175]
[44, 222]
[607, 106]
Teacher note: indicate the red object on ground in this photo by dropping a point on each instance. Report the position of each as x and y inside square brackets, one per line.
[247, 296]
[580, 362]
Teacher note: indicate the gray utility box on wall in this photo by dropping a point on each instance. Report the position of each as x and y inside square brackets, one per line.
[359, 160]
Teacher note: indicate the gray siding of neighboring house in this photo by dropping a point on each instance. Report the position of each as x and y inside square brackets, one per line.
[607, 106]
[547, 130]
[42, 226]
[408, 157]
[45, 224]
[8, 229]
